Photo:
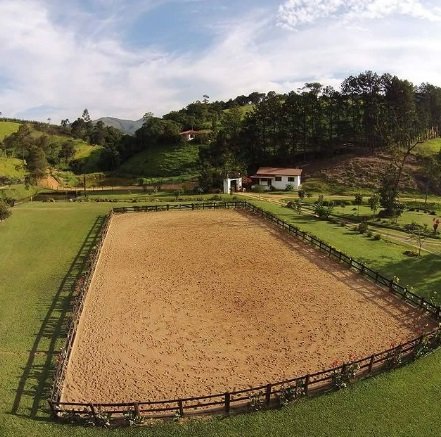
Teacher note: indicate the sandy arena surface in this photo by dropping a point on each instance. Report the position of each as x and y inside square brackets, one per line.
[189, 303]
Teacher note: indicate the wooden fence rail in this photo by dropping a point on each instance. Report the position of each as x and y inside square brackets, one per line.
[273, 394]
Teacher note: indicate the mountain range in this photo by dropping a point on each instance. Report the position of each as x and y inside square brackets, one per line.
[127, 126]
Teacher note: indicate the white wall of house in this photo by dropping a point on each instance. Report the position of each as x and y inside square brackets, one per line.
[280, 182]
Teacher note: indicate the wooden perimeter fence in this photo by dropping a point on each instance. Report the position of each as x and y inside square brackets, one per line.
[274, 394]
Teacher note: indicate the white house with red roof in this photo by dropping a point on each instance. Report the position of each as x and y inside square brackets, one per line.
[278, 177]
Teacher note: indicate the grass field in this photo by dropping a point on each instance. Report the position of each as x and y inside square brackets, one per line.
[12, 168]
[8, 128]
[163, 162]
[428, 148]
[90, 155]
[39, 244]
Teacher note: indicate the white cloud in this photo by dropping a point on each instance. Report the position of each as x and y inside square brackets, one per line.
[294, 13]
[52, 68]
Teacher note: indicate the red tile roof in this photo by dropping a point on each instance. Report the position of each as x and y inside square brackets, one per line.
[276, 171]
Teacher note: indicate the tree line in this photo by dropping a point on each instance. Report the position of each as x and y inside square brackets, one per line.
[369, 112]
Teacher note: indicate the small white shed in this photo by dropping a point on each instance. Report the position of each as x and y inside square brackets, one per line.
[278, 177]
[232, 184]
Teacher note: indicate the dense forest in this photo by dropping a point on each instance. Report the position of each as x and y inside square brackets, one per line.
[368, 112]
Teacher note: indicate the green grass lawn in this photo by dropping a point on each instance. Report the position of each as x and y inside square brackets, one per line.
[428, 148]
[407, 217]
[8, 128]
[12, 168]
[39, 244]
[163, 162]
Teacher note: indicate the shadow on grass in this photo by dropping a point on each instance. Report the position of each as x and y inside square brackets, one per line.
[36, 380]
[422, 273]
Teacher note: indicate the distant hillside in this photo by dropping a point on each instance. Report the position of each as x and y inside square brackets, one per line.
[365, 170]
[85, 160]
[127, 126]
[169, 161]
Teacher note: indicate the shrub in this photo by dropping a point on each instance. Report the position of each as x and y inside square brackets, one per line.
[289, 187]
[362, 227]
[358, 199]
[258, 189]
[301, 193]
[410, 253]
[5, 212]
[323, 211]
[377, 237]
[369, 233]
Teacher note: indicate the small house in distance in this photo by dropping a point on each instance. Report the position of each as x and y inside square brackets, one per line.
[277, 178]
[189, 135]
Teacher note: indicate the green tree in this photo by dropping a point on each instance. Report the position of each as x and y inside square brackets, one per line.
[36, 162]
[374, 203]
[86, 116]
[417, 233]
[67, 151]
[388, 192]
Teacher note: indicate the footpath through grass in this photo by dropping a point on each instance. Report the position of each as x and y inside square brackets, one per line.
[38, 245]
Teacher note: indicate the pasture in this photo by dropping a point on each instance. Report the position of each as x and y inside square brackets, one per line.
[39, 244]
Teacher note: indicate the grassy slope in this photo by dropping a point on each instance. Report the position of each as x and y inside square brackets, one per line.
[243, 109]
[404, 402]
[8, 128]
[428, 148]
[12, 168]
[83, 150]
[88, 153]
[162, 162]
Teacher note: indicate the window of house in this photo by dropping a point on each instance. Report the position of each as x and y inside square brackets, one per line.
[291, 178]
[278, 178]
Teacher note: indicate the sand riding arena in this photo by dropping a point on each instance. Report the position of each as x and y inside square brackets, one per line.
[191, 303]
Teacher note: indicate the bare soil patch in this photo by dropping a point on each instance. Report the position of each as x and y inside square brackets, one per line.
[189, 303]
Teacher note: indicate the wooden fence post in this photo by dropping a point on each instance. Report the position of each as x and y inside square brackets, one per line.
[268, 394]
[227, 402]
[53, 411]
[371, 363]
[181, 408]
[136, 407]
[391, 285]
[93, 411]
[307, 385]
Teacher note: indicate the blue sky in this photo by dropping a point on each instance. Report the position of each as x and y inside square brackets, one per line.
[124, 58]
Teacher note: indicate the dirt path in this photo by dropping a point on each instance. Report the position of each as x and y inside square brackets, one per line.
[191, 303]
